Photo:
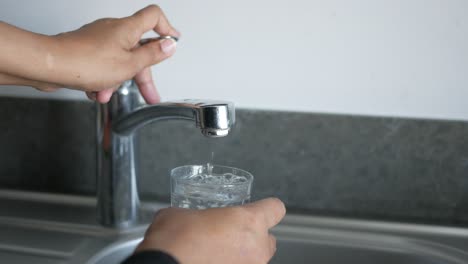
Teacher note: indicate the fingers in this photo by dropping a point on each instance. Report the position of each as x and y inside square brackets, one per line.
[153, 52]
[104, 95]
[145, 83]
[152, 17]
[272, 210]
[144, 80]
[272, 240]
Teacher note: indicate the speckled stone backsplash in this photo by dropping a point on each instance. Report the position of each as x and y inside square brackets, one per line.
[351, 166]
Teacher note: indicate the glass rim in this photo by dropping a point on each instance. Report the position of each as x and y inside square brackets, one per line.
[249, 175]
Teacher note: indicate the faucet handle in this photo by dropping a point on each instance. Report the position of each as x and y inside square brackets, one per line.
[148, 40]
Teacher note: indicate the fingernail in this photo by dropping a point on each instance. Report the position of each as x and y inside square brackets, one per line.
[168, 46]
[177, 33]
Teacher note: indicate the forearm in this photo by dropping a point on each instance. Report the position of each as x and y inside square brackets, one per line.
[6, 79]
[25, 56]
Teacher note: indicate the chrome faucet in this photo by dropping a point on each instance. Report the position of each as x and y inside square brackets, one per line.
[117, 122]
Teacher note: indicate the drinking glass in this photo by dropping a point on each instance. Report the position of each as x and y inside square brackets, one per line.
[209, 186]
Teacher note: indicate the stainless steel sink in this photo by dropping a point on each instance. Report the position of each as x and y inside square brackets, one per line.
[329, 251]
[42, 228]
[330, 246]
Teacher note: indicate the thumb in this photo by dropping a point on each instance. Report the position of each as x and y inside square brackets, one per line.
[272, 210]
[154, 52]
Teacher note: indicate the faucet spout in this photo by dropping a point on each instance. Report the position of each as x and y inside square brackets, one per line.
[117, 122]
[214, 118]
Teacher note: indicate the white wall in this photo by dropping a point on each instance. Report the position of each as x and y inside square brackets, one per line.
[378, 57]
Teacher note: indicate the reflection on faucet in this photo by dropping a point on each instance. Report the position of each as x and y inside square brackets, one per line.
[117, 121]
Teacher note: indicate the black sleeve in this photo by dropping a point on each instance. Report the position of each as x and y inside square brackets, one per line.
[150, 257]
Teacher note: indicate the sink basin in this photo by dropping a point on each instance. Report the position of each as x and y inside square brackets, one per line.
[301, 252]
[52, 229]
[331, 247]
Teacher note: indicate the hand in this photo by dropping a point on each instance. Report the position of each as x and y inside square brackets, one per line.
[221, 235]
[95, 58]
[101, 55]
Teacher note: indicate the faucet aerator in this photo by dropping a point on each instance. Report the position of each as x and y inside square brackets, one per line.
[215, 133]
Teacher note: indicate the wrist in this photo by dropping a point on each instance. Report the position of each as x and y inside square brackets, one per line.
[70, 61]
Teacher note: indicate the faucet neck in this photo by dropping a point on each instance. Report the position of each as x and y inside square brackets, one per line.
[117, 122]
